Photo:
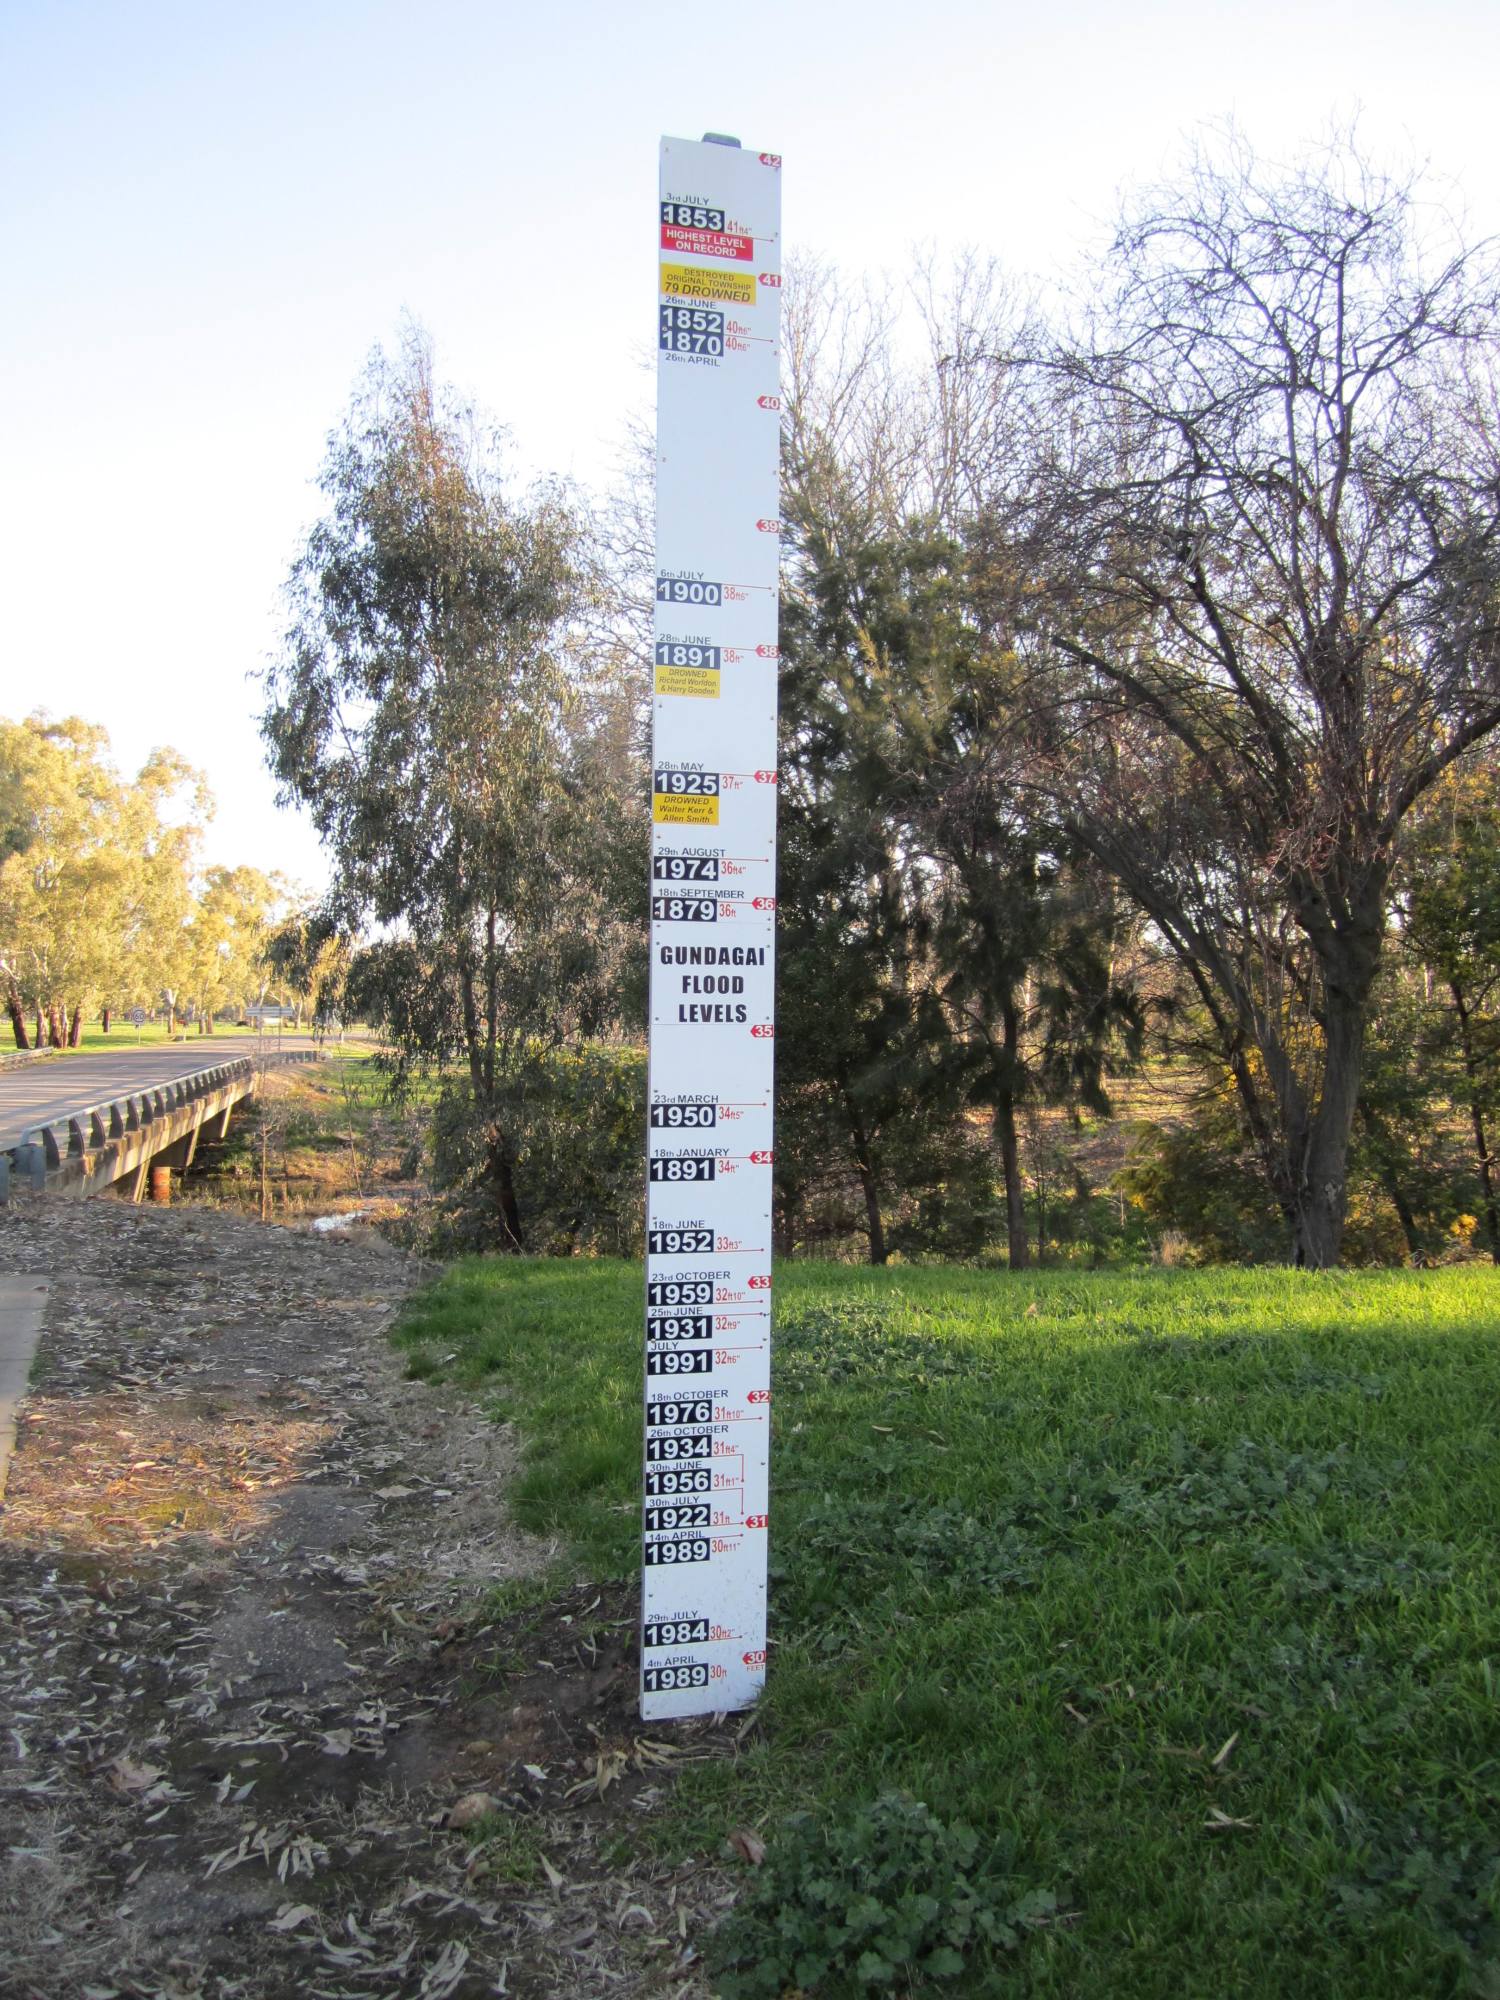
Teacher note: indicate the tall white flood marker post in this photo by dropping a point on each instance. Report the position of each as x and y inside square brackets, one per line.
[713, 905]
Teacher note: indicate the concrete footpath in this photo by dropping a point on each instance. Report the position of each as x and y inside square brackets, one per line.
[23, 1299]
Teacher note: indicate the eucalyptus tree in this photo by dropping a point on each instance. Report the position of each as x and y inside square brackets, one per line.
[427, 708]
[1256, 573]
[96, 873]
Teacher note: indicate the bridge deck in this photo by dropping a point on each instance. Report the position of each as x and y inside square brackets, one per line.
[43, 1092]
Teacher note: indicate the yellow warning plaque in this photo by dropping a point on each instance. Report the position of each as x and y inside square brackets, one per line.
[701, 681]
[692, 281]
[673, 809]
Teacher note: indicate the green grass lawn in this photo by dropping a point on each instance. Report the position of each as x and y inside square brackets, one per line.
[153, 1034]
[1180, 1589]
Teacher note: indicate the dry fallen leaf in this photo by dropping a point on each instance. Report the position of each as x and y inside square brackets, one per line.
[749, 1846]
[443, 1975]
[126, 1775]
[609, 1765]
[554, 1879]
[290, 1915]
[1218, 1761]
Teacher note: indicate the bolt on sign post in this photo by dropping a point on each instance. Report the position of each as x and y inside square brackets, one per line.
[713, 914]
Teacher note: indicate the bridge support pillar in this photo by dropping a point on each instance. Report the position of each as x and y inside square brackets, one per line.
[161, 1181]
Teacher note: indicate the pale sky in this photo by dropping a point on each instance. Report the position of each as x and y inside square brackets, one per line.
[211, 214]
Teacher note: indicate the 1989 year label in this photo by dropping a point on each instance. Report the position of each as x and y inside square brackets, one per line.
[692, 1551]
[664, 1680]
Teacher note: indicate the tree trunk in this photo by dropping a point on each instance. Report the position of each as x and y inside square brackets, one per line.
[1017, 1239]
[865, 1167]
[784, 1221]
[17, 1019]
[1390, 1180]
[1320, 1162]
[75, 1028]
[1476, 1119]
[873, 1222]
[41, 1039]
[104, 1019]
[511, 1237]
[1010, 1150]
[57, 1036]
[1392, 1185]
[171, 1019]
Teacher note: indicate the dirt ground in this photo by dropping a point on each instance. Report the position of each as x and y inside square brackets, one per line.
[267, 1727]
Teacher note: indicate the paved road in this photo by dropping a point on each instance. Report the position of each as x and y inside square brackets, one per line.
[36, 1093]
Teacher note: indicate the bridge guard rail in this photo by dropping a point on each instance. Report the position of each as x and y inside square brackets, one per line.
[91, 1148]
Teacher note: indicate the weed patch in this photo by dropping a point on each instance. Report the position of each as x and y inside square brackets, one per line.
[1439, 1877]
[868, 1341]
[1335, 1571]
[906, 1546]
[882, 1898]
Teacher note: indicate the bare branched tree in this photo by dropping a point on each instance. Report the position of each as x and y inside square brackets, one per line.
[894, 412]
[1257, 575]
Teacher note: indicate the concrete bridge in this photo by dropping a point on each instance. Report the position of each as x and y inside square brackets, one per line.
[83, 1123]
